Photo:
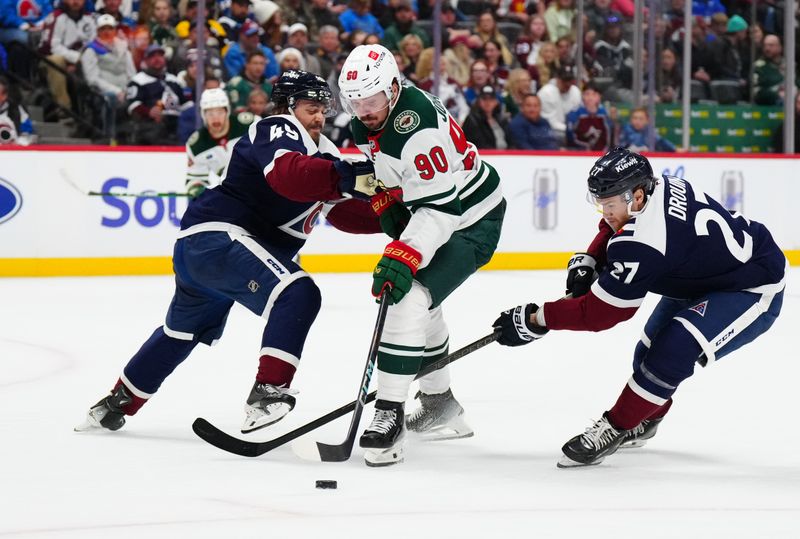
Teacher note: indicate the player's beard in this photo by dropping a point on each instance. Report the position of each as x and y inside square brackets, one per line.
[315, 130]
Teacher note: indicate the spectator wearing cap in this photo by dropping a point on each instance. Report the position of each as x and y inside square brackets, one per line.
[268, 15]
[486, 29]
[725, 62]
[108, 67]
[559, 97]
[529, 131]
[358, 17]
[125, 24]
[66, 32]
[297, 37]
[290, 59]
[155, 99]
[329, 50]
[559, 16]
[161, 31]
[485, 126]
[404, 24]
[236, 17]
[589, 126]
[236, 54]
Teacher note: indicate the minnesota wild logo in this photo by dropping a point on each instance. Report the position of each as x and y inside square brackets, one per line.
[406, 121]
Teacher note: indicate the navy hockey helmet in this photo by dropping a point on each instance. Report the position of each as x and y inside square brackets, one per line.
[293, 85]
[619, 171]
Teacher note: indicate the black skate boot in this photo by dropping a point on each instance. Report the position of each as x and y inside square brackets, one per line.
[107, 414]
[266, 405]
[594, 445]
[639, 434]
[439, 417]
[385, 437]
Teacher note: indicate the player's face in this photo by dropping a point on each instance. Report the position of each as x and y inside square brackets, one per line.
[615, 209]
[216, 121]
[312, 115]
[372, 110]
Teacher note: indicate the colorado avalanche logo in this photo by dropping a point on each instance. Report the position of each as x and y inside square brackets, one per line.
[311, 220]
[700, 308]
[302, 225]
[28, 9]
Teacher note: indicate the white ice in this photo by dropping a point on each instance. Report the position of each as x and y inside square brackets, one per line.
[726, 462]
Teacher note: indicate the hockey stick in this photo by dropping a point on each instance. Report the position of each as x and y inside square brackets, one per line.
[341, 452]
[231, 444]
[67, 178]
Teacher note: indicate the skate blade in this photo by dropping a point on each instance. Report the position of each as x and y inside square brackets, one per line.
[258, 418]
[452, 430]
[86, 426]
[385, 457]
[567, 462]
[634, 444]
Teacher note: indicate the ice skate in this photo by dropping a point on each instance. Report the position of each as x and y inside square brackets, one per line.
[266, 405]
[638, 435]
[384, 439]
[595, 444]
[439, 417]
[107, 414]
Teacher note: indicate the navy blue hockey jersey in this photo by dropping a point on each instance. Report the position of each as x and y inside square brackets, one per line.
[685, 244]
[245, 198]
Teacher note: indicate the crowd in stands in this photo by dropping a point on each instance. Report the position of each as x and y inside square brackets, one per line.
[507, 72]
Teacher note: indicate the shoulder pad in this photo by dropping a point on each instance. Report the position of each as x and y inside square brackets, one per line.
[193, 138]
[245, 117]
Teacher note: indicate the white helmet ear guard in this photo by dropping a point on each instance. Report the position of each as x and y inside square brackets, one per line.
[368, 70]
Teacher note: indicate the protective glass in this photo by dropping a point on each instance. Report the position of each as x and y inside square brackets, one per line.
[612, 204]
[320, 97]
[366, 105]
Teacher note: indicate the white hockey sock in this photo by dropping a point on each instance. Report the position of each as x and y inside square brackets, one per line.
[436, 382]
[393, 387]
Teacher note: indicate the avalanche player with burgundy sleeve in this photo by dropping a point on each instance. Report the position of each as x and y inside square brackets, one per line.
[720, 275]
[237, 243]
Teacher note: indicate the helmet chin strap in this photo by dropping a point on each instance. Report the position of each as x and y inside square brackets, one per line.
[391, 105]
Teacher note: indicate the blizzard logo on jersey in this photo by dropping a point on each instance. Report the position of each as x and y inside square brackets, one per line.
[700, 308]
[627, 164]
[406, 121]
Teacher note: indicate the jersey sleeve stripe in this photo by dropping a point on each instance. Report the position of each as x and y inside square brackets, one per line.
[614, 301]
[475, 182]
[440, 198]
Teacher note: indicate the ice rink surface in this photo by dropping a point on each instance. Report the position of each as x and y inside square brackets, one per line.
[725, 462]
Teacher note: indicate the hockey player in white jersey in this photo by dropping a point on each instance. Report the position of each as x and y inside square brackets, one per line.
[443, 207]
[209, 149]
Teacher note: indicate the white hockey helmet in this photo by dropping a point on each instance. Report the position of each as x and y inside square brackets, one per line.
[368, 70]
[214, 98]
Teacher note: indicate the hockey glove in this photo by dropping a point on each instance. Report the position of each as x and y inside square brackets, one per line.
[195, 188]
[356, 178]
[393, 215]
[580, 274]
[395, 269]
[516, 328]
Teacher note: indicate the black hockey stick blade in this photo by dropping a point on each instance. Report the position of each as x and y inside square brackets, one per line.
[246, 448]
[341, 452]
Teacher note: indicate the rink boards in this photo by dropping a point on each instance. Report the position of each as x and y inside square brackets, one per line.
[50, 226]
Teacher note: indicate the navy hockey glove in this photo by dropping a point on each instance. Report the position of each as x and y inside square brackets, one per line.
[356, 178]
[396, 269]
[580, 274]
[393, 215]
[515, 327]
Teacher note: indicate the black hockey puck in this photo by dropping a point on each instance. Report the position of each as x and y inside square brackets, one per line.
[325, 483]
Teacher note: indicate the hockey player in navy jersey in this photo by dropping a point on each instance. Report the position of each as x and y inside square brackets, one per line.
[236, 244]
[720, 275]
